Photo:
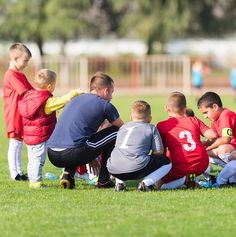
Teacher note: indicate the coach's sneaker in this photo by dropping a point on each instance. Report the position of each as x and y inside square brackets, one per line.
[67, 181]
[142, 187]
[120, 187]
[108, 184]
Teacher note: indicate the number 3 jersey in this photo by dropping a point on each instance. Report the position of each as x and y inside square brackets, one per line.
[134, 142]
[182, 138]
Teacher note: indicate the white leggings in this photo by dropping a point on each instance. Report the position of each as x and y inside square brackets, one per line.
[14, 157]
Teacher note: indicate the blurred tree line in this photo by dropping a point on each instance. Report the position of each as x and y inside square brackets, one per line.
[155, 21]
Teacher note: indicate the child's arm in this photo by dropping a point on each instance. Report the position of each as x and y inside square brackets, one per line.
[218, 142]
[157, 145]
[211, 136]
[55, 103]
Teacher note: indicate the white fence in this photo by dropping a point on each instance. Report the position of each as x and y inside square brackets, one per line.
[157, 73]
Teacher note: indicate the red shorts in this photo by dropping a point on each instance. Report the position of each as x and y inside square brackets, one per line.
[179, 171]
[16, 135]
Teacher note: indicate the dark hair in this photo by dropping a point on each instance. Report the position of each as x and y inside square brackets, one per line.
[177, 101]
[209, 99]
[100, 80]
[189, 112]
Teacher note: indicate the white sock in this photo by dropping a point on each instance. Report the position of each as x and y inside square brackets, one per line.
[14, 157]
[174, 184]
[156, 175]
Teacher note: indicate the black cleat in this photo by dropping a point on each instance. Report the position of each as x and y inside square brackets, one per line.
[22, 177]
[108, 184]
[67, 181]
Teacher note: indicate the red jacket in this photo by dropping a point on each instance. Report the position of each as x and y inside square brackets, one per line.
[38, 126]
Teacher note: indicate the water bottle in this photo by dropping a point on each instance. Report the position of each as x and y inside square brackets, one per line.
[51, 176]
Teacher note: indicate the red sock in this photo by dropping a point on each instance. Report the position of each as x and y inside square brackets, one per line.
[81, 169]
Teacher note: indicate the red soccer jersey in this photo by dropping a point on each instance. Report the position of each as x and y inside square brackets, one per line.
[181, 136]
[14, 85]
[225, 125]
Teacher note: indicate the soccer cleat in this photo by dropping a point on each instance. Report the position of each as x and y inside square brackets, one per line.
[142, 187]
[205, 184]
[108, 184]
[22, 177]
[120, 187]
[191, 181]
[67, 181]
[18, 178]
[36, 185]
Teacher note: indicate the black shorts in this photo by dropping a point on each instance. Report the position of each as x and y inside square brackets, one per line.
[154, 164]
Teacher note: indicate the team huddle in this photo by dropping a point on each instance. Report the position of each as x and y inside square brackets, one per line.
[89, 131]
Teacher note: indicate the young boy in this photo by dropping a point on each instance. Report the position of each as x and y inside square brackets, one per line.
[75, 140]
[138, 151]
[224, 123]
[37, 107]
[15, 84]
[181, 137]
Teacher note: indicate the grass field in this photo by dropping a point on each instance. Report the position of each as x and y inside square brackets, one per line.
[86, 211]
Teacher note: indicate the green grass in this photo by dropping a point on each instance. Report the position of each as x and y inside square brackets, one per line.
[86, 211]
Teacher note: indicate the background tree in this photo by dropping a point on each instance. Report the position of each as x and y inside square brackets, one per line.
[23, 21]
[65, 20]
[158, 21]
[212, 18]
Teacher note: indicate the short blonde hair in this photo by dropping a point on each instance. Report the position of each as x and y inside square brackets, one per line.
[17, 49]
[141, 109]
[44, 77]
[177, 101]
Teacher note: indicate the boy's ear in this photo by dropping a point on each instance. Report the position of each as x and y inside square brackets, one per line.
[215, 107]
[167, 108]
[150, 119]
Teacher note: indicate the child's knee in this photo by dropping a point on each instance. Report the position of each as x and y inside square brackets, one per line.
[223, 149]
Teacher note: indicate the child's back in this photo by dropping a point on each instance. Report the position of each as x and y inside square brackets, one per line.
[134, 142]
[182, 137]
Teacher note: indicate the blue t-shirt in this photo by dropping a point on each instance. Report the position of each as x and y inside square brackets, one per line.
[80, 119]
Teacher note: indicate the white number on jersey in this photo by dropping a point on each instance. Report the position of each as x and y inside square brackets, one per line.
[124, 143]
[191, 143]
